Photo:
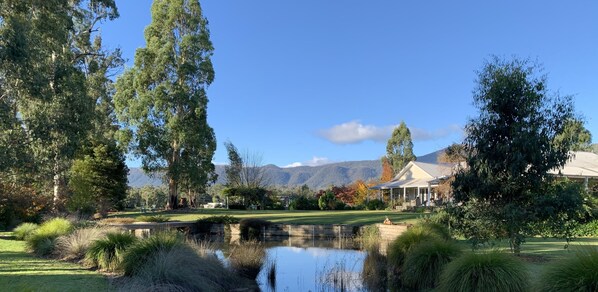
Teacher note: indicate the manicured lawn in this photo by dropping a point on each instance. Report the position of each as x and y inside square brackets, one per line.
[20, 271]
[293, 217]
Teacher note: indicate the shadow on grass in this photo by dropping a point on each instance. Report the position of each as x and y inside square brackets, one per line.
[53, 282]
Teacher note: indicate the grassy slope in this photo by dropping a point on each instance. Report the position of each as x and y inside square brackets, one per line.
[20, 271]
[294, 217]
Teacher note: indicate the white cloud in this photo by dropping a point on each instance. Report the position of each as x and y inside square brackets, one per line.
[315, 161]
[354, 132]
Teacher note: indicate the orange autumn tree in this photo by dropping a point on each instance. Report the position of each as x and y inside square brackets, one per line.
[387, 172]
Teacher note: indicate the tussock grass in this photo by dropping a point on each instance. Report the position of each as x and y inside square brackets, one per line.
[137, 254]
[43, 240]
[578, 272]
[181, 269]
[369, 237]
[248, 258]
[153, 218]
[398, 249]
[492, 271]
[436, 228]
[424, 263]
[107, 253]
[24, 230]
[73, 246]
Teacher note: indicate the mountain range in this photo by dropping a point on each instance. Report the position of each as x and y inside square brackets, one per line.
[316, 177]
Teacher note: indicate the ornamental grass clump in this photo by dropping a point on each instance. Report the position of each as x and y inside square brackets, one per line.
[436, 228]
[492, 271]
[43, 240]
[137, 254]
[180, 268]
[73, 246]
[24, 230]
[578, 272]
[247, 259]
[107, 253]
[424, 263]
[398, 249]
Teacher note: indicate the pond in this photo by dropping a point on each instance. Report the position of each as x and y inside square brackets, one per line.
[307, 264]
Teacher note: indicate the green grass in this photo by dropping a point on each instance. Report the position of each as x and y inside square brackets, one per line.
[292, 217]
[20, 271]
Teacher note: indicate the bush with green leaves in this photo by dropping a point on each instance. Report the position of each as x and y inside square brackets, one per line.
[425, 261]
[219, 219]
[304, 203]
[43, 240]
[577, 272]
[375, 205]
[152, 218]
[107, 253]
[24, 230]
[137, 254]
[328, 201]
[492, 271]
[398, 249]
[588, 229]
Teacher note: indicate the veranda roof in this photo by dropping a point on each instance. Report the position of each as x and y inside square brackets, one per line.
[581, 165]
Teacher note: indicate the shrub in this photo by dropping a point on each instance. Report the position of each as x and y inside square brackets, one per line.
[42, 241]
[23, 231]
[397, 250]
[181, 269]
[152, 218]
[21, 204]
[304, 203]
[137, 254]
[588, 229]
[375, 205]
[223, 219]
[436, 228]
[424, 263]
[489, 271]
[576, 273]
[247, 259]
[251, 228]
[237, 207]
[107, 253]
[328, 201]
[73, 246]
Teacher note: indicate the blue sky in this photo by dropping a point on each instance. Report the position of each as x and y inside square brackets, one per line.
[310, 82]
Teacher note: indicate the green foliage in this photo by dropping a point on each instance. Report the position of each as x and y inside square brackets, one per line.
[248, 195]
[577, 135]
[98, 180]
[219, 219]
[137, 255]
[328, 201]
[369, 237]
[162, 99]
[401, 246]
[399, 148]
[425, 261]
[251, 228]
[147, 196]
[248, 258]
[107, 253]
[489, 271]
[24, 230]
[509, 149]
[234, 168]
[587, 229]
[152, 218]
[375, 205]
[304, 203]
[43, 240]
[578, 272]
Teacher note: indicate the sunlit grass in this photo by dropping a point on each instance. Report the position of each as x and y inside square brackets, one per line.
[357, 217]
[21, 271]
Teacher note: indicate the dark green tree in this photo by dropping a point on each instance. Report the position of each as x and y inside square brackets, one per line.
[162, 98]
[399, 149]
[98, 180]
[510, 147]
[234, 169]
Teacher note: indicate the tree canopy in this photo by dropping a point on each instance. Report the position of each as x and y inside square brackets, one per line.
[399, 149]
[510, 147]
[163, 101]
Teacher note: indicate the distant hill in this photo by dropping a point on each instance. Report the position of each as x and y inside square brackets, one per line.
[316, 177]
